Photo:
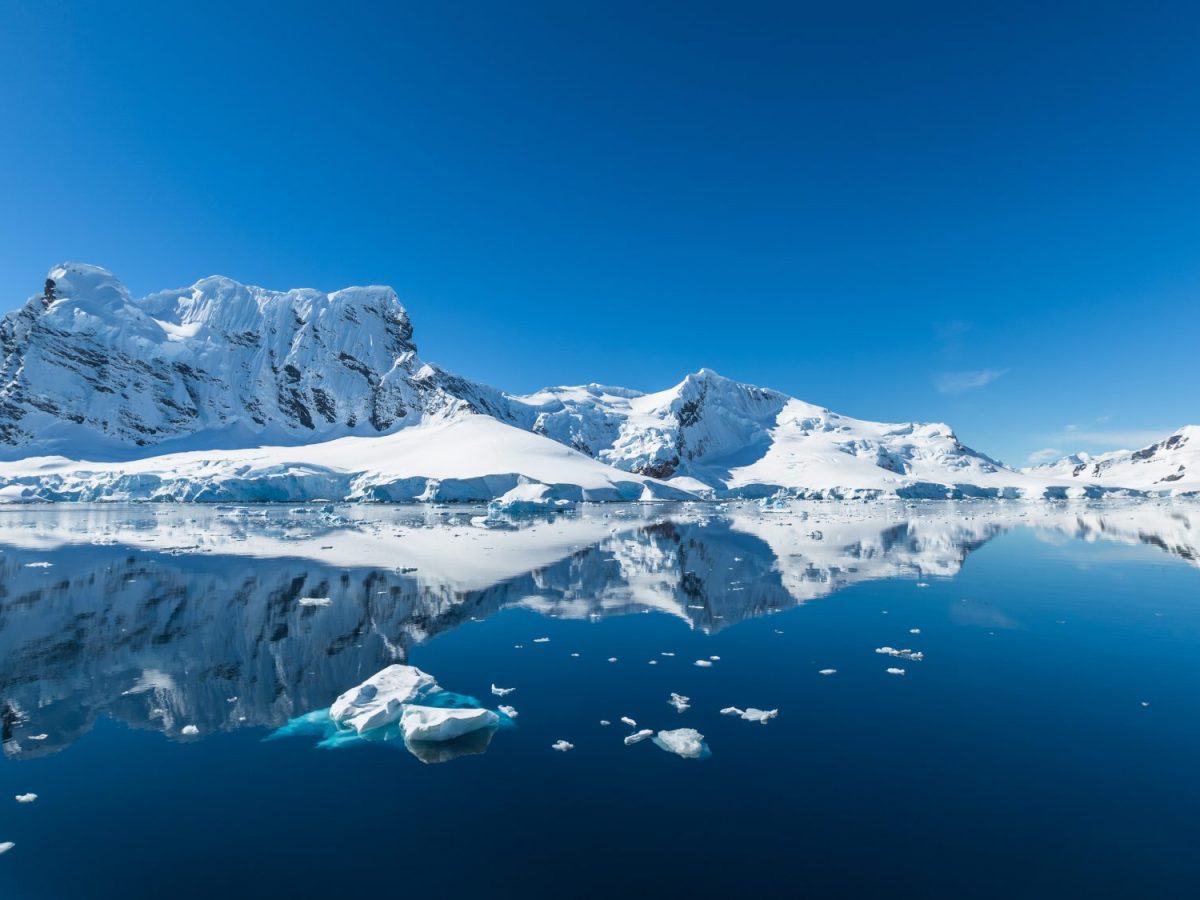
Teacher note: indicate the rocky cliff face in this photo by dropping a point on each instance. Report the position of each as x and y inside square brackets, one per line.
[215, 364]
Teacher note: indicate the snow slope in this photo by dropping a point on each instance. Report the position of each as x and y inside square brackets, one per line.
[1170, 466]
[463, 457]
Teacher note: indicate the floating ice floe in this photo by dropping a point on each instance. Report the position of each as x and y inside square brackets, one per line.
[5, 846]
[38, 565]
[380, 699]
[562, 746]
[501, 692]
[652, 662]
[914, 631]
[431, 723]
[38, 737]
[508, 711]
[914, 655]
[605, 722]
[827, 672]
[638, 736]
[895, 671]
[612, 659]
[750, 714]
[628, 721]
[541, 640]
[26, 798]
[685, 742]
[315, 601]
[189, 730]
[703, 663]
[679, 701]
[666, 653]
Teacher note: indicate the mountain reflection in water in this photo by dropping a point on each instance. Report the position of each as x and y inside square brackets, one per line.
[168, 617]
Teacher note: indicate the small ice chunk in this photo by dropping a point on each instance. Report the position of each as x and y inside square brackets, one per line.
[431, 723]
[315, 601]
[750, 714]
[563, 746]
[703, 663]
[5, 846]
[189, 730]
[605, 722]
[26, 798]
[715, 658]
[542, 640]
[501, 692]
[922, 584]
[679, 701]
[895, 671]
[827, 672]
[762, 716]
[914, 631]
[628, 721]
[38, 737]
[612, 659]
[38, 565]
[379, 700]
[638, 737]
[1145, 703]
[652, 662]
[914, 655]
[667, 653]
[508, 711]
[685, 742]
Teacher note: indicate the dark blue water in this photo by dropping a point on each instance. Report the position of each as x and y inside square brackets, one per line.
[1019, 758]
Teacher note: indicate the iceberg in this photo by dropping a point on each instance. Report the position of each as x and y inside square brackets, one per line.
[431, 723]
[380, 699]
[638, 736]
[26, 798]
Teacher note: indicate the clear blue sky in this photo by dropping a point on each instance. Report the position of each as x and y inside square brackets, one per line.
[902, 211]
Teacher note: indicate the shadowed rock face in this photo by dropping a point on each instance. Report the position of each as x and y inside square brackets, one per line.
[163, 634]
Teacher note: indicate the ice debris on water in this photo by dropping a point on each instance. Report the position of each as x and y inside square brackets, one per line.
[315, 601]
[563, 746]
[189, 730]
[703, 663]
[26, 798]
[605, 722]
[628, 721]
[895, 671]
[508, 711]
[638, 736]
[914, 655]
[38, 565]
[827, 672]
[612, 659]
[914, 631]
[541, 640]
[750, 714]
[685, 742]
[5, 846]
[38, 737]
[679, 701]
[501, 692]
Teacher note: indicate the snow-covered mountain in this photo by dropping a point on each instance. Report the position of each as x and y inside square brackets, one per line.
[222, 391]
[714, 435]
[1170, 465]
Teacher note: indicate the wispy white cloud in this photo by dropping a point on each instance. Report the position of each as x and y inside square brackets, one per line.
[958, 382]
[1046, 454]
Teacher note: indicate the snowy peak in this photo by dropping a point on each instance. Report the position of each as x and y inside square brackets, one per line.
[714, 434]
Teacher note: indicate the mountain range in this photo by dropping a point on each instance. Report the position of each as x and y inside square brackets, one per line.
[228, 392]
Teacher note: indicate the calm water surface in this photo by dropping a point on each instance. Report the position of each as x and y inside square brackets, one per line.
[1045, 746]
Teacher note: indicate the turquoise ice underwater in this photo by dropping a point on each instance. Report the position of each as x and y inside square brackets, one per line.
[166, 675]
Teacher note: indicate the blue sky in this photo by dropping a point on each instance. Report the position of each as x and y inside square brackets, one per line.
[934, 211]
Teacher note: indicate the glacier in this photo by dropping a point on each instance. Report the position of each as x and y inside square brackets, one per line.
[224, 392]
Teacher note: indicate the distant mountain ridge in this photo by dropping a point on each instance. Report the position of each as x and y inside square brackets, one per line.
[223, 391]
